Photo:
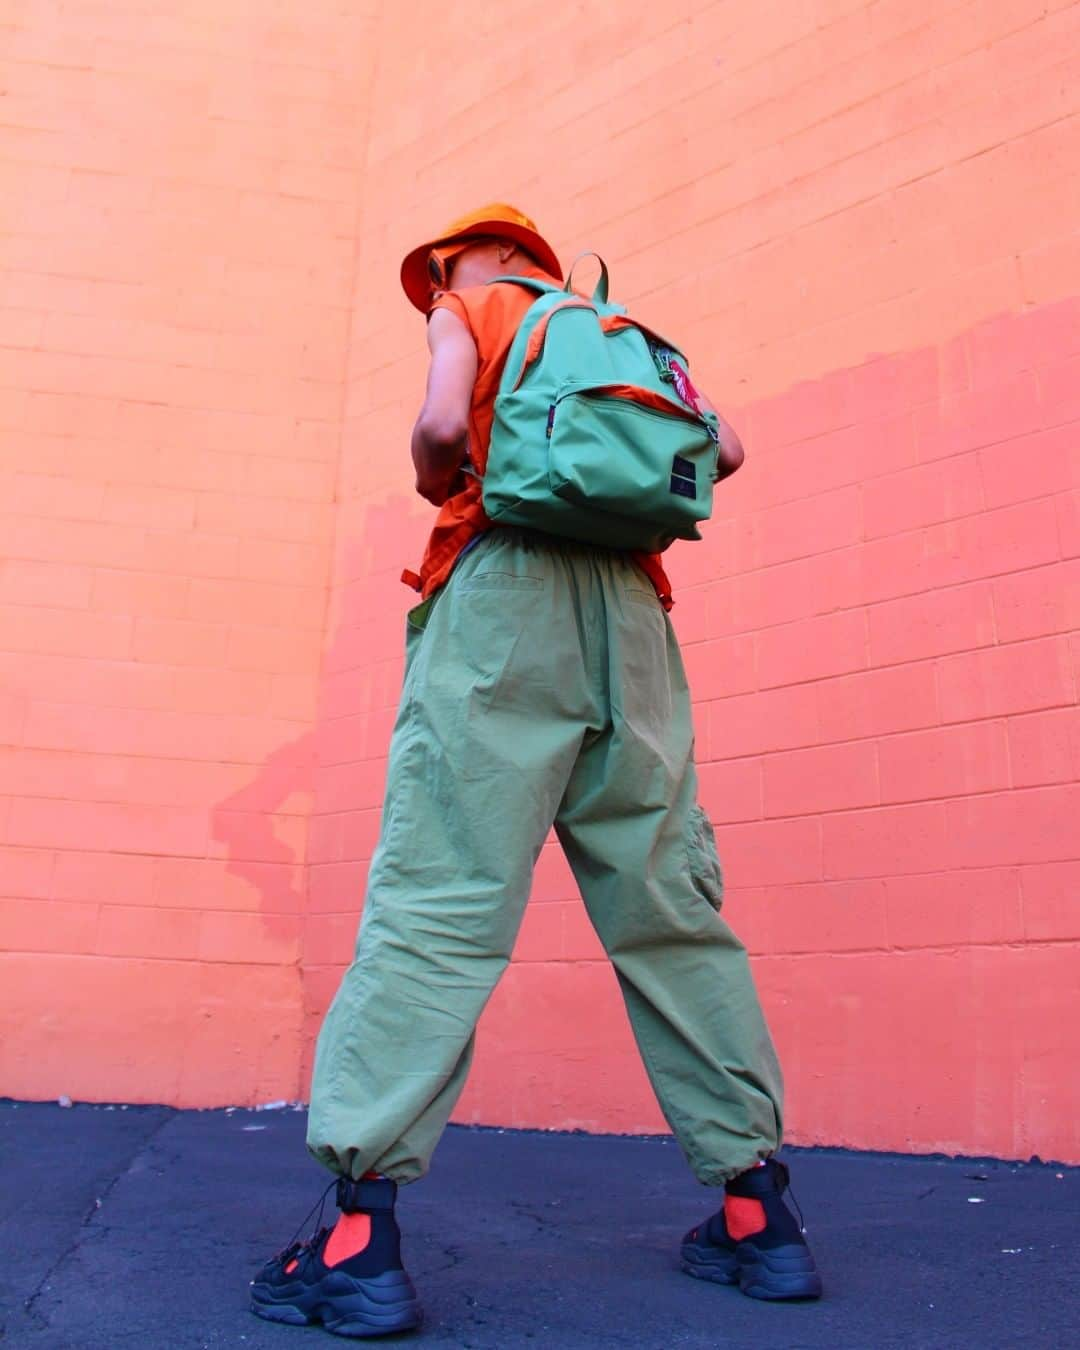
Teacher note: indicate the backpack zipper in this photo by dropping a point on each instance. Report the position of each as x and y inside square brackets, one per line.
[640, 404]
[671, 408]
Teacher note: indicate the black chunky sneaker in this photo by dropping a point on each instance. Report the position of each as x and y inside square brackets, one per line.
[774, 1262]
[348, 1277]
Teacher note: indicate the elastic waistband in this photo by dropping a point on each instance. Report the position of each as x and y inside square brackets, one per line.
[555, 546]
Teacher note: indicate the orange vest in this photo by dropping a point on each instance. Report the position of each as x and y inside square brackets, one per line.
[492, 315]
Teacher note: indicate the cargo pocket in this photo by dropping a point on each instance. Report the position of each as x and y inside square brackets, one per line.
[706, 874]
[495, 612]
[499, 672]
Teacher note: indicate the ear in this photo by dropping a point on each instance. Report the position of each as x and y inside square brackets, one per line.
[506, 250]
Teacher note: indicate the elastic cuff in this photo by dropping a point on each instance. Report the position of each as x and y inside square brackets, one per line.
[721, 1176]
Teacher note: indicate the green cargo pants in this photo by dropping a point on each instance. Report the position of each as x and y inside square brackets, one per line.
[543, 685]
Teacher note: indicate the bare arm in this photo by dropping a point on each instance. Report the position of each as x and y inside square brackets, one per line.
[441, 434]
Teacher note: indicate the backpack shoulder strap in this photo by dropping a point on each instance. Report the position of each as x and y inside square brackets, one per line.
[542, 287]
[533, 283]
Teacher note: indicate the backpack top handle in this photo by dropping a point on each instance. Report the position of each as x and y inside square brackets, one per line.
[601, 292]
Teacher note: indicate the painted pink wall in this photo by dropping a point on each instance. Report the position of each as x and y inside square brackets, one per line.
[177, 265]
[862, 220]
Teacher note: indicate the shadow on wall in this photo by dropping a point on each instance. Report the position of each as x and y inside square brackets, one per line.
[245, 824]
[371, 603]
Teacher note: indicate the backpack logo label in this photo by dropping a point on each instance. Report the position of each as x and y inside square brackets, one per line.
[683, 477]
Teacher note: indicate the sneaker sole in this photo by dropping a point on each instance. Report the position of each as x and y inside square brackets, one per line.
[710, 1263]
[380, 1305]
[784, 1273]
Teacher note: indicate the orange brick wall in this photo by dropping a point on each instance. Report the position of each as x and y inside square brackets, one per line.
[862, 221]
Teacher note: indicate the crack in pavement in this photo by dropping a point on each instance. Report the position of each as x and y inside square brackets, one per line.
[39, 1320]
[543, 1223]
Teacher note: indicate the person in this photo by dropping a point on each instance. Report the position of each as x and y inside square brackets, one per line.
[543, 687]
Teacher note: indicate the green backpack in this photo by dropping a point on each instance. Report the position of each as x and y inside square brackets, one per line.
[597, 433]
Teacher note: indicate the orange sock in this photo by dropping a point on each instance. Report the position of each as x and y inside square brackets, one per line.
[351, 1234]
[743, 1215]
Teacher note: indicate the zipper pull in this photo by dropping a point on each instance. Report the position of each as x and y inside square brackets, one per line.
[662, 357]
[551, 420]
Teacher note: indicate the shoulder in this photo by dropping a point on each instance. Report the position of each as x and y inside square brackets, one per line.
[491, 313]
[497, 297]
[449, 303]
[481, 307]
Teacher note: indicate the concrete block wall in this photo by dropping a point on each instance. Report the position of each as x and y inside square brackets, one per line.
[180, 196]
[862, 221]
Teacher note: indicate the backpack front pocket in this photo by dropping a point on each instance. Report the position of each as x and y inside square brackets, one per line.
[629, 451]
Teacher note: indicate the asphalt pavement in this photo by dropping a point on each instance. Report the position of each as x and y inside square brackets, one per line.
[142, 1226]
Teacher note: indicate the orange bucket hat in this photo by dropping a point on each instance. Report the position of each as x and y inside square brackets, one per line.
[496, 220]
